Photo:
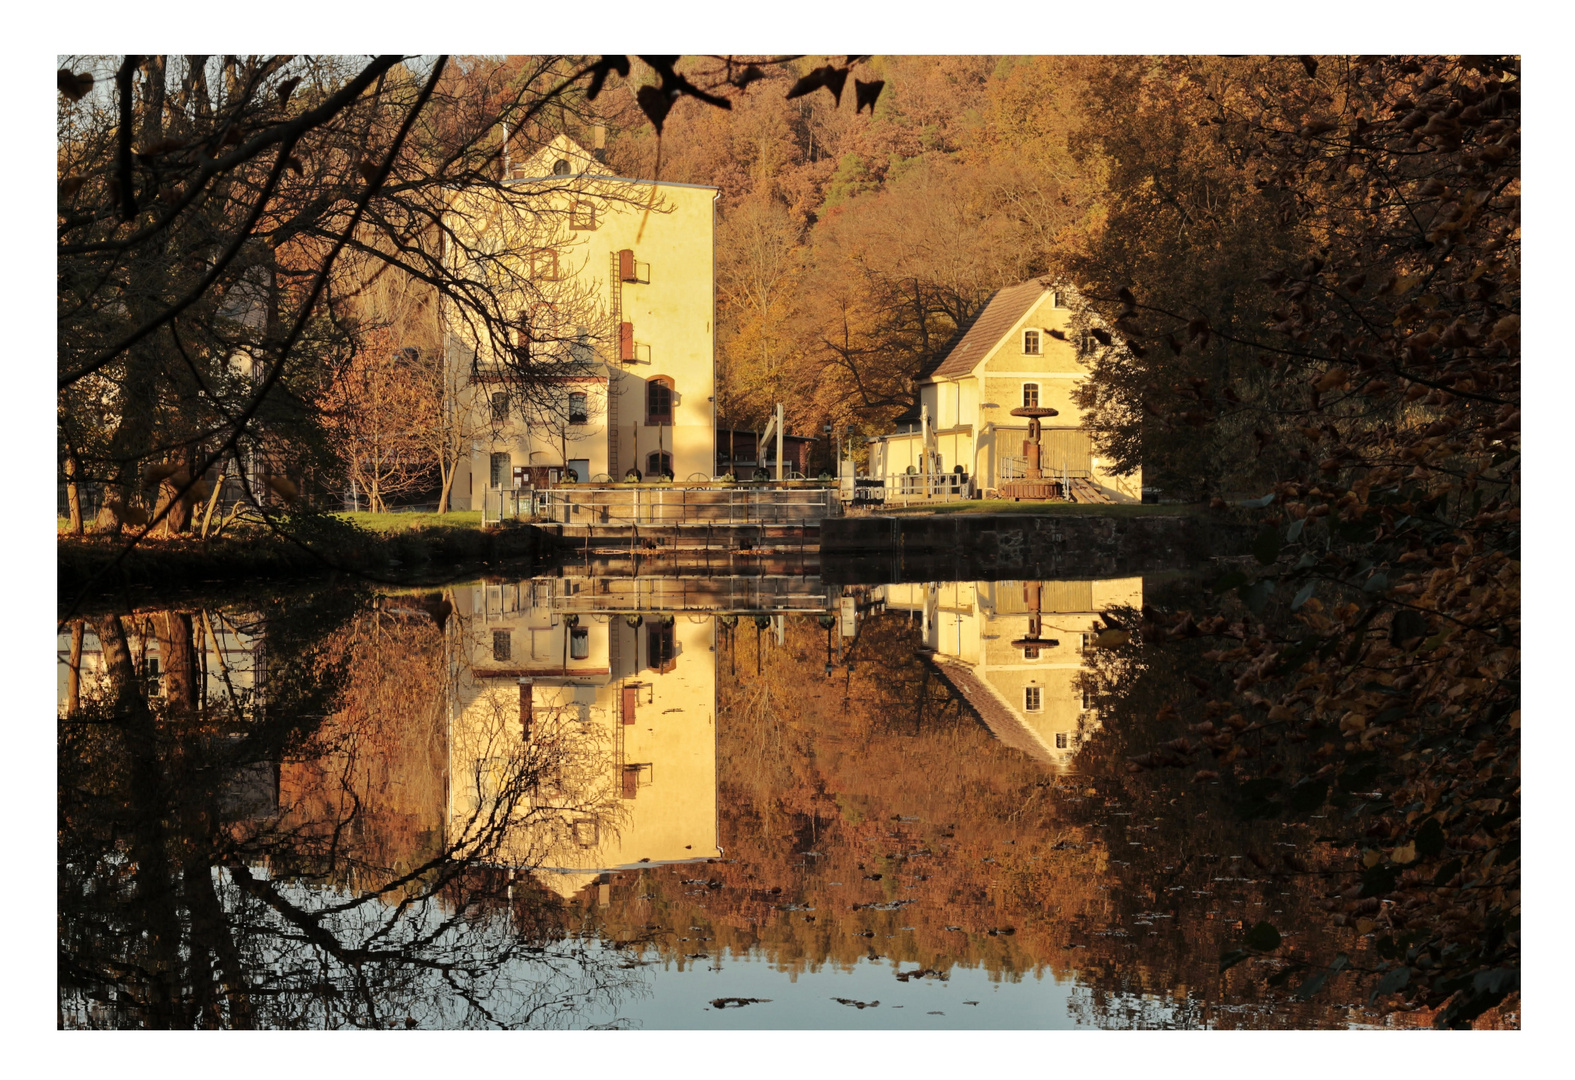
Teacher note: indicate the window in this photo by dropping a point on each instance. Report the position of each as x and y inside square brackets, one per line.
[500, 406]
[500, 469]
[586, 834]
[560, 167]
[626, 342]
[1031, 699]
[582, 215]
[1088, 697]
[631, 781]
[659, 645]
[1030, 343]
[501, 645]
[579, 411]
[1063, 740]
[658, 463]
[1030, 395]
[1058, 299]
[1030, 652]
[1086, 343]
[659, 400]
[579, 643]
[627, 271]
[1088, 642]
[544, 265]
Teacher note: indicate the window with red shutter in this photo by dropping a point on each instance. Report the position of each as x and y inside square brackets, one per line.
[631, 696]
[626, 268]
[626, 342]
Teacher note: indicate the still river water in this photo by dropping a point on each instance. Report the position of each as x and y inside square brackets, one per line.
[590, 800]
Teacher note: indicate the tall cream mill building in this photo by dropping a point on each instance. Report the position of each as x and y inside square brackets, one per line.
[1009, 357]
[615, 710]
[622, 280]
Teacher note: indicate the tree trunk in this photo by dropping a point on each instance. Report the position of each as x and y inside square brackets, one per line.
[448, 483]
[73, 497]
[178, 661]
[74, 678]
[213, 501]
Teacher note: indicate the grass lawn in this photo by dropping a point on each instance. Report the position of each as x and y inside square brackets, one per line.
[1007, 506]
[454, 519]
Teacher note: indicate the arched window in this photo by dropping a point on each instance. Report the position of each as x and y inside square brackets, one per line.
[579, 410]
[658, 463]
[659, 400]
[560, 167]
[1030, 395]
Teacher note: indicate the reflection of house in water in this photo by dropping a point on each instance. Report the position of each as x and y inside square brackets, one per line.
[226, 656]
[627, 699]
[983, 633]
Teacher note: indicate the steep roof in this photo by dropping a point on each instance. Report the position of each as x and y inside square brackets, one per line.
[997, 715]
[1005, 307]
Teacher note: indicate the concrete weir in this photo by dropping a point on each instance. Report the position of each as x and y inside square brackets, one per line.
[1006, 546]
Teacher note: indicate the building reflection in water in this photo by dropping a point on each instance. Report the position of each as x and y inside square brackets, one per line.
[1015, 651]
[609, 685]
[618, 677]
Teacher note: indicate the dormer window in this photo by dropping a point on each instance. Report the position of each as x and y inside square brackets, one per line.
[1030, 343]
[1058, 299]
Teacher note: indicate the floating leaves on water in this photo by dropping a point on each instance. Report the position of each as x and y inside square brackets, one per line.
[736, 1002]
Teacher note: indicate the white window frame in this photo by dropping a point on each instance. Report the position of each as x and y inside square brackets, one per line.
[1038, 342]
[1033, 699]
[1035, 386]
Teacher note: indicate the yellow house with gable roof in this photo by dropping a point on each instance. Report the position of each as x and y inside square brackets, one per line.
[608, 364]
[1016, 651]
[1019, 351]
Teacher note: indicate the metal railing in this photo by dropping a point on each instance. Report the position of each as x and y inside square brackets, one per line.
[680, 504]
[699, 595]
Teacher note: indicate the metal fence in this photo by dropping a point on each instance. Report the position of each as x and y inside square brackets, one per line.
[666, 504]
[700, 595]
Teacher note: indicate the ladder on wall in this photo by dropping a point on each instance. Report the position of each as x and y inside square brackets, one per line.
[614, 373]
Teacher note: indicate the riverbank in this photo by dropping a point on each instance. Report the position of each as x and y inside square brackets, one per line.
[101, 563]
[996, 547]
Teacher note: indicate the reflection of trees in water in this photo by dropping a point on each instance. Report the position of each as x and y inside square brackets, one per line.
[929, 834]
[194, 894]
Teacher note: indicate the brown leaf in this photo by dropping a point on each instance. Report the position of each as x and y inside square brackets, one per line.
[74, 86]
[865, 93]
[654, 104]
